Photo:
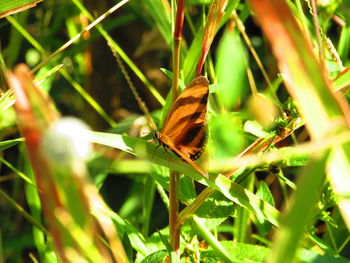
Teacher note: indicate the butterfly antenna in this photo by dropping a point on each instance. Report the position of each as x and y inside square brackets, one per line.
[140, 102]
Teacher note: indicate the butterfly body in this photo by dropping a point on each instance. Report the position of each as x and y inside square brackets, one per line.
[184, 128]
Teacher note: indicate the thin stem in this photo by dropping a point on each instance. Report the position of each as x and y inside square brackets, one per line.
[251, 81]
[241, 29]
[180, 14]
[175, 177]
[318, 35]
[121, 53]
[176, 63]
[23, 212]
[133, 89]
[174, 211]
[75, 38]
[302, 17]
[189, 210]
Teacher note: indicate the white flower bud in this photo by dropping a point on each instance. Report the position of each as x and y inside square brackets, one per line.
[66, 142]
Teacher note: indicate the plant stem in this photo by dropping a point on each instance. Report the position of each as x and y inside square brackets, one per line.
[174, 232]
[180, 14]
[175, 177]
[176, 63]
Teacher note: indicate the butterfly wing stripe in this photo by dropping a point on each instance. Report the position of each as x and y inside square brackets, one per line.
[198, 113]
[179, 129]
[193, 141]
[185, 101]
[192, 134]
[198, 88]
[204, 100]
[181, 118]
[186, 104]
[192, 117]
[201, 98]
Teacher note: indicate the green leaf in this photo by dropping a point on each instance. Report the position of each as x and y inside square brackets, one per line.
[187, 191]
[45, 77]
[216, 206]
[161, 18]
[216, 209]
[9, 143]
[147, 204]
[264, 193]
[342, 82]
[227, 137]
[149, 151]
[6, 100]
[253, 127]
[308, 256]
[299, 214]
[344, 42]
[308, 83]
[247, 199]
[199, 227]
[137, 241]
[169, 74]
[230, 69]
[153, 244]
[199, 2]
[192, 56]
[16, 171]
[14, 6]
[240, 252]
[158, 256]
[155, 154]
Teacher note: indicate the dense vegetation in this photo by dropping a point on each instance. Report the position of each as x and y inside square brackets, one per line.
[84, 86]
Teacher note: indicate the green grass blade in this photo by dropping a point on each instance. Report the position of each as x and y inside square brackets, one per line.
[6, 100]
[295, 220]
[64, 73]
[199, 226]
[16, 171]
[26, 35]
[161, 18]
[342, 82]
[22, 212]
[230, 69]
[247, 199]
[9, 143]
[122, 54]
[13, 6]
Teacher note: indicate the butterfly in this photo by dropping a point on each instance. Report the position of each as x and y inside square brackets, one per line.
[184, 127]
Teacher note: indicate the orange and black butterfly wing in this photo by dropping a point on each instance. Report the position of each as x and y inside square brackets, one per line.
[184, 127]
[166, 141]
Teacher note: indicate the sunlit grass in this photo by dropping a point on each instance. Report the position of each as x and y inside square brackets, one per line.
[277, 149]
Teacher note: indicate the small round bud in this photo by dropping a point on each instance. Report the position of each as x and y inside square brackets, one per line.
[66, 142]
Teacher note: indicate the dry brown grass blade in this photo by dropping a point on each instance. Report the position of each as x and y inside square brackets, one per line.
[215, 14]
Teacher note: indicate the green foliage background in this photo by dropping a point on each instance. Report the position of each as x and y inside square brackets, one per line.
[238, 219]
